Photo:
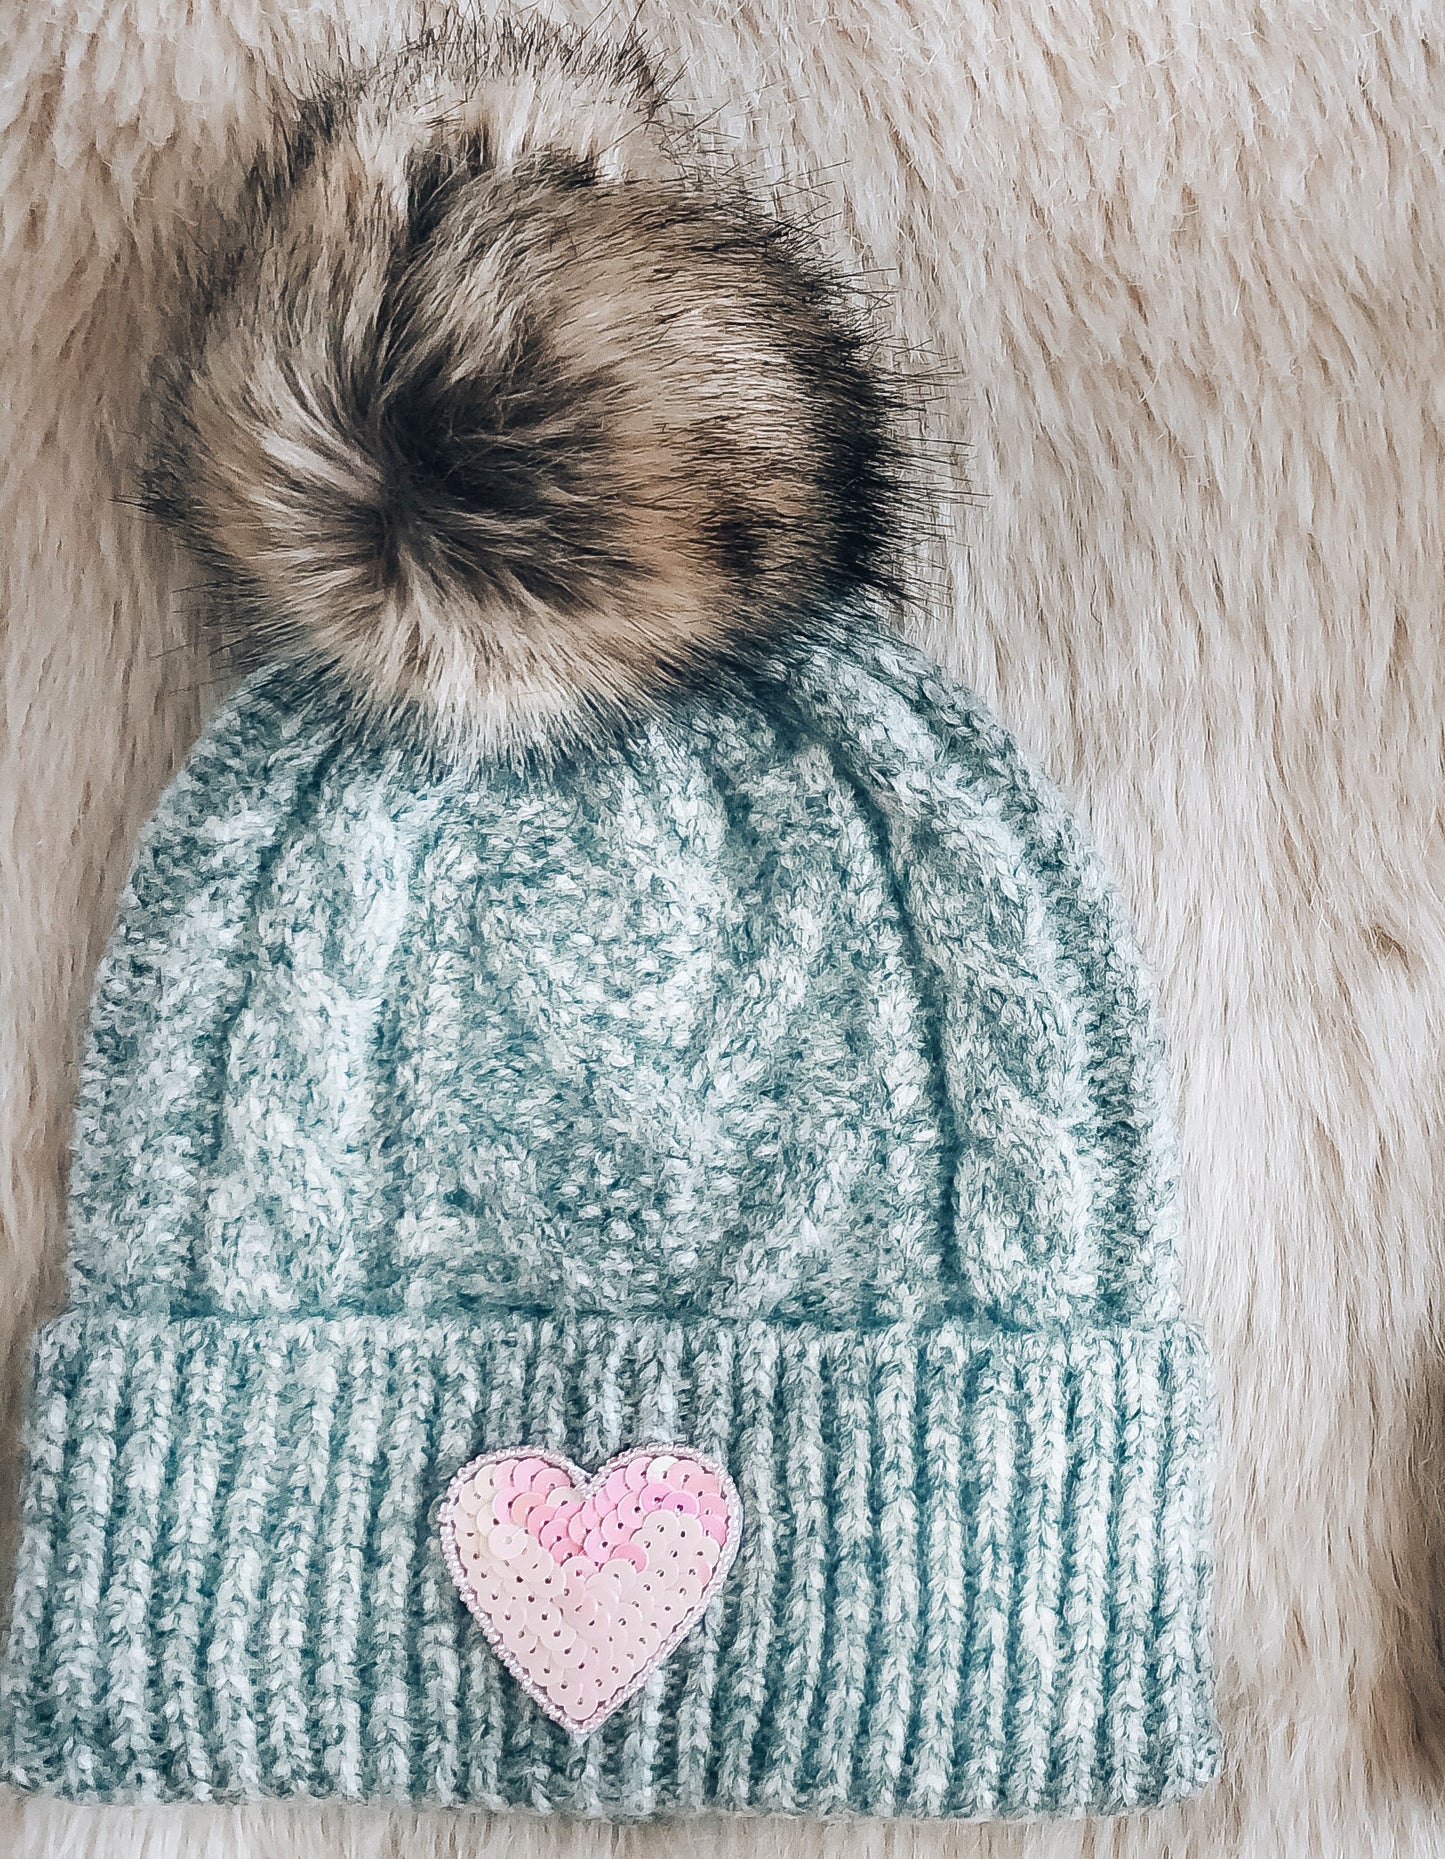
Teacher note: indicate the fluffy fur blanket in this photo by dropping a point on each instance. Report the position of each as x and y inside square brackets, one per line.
[1179, 268]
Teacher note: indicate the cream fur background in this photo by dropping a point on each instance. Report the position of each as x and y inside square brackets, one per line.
[1183, 261]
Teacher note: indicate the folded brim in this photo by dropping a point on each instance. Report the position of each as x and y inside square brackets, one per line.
[973, 1577]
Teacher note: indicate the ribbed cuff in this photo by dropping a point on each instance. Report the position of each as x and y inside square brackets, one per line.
[973, 1577]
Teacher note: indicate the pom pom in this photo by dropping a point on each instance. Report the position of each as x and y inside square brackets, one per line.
[496, 407]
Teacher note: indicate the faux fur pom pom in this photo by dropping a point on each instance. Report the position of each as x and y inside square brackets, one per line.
[499, 409]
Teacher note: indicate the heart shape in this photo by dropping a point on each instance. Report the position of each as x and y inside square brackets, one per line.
[584, 1585]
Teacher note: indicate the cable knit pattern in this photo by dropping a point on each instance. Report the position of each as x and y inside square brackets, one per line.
[780, 1081]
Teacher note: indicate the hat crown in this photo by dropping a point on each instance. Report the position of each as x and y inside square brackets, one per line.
[726, 1020]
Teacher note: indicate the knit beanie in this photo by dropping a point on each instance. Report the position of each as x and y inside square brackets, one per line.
[623, 1202]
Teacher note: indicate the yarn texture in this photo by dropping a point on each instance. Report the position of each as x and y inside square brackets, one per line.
[779, 1079]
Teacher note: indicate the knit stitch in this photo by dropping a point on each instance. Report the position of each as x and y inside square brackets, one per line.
[779, 1079]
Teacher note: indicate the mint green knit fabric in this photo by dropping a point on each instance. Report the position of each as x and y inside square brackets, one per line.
[779, 1080]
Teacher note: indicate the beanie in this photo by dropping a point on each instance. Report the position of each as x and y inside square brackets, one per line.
[623, 1199]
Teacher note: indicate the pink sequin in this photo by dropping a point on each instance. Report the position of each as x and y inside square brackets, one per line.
[553, 1536]
[584, 1586]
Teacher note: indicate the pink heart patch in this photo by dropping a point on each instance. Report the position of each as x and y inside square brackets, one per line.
[584, 1586]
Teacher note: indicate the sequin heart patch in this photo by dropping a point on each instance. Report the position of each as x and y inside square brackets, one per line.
[584, 1585]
